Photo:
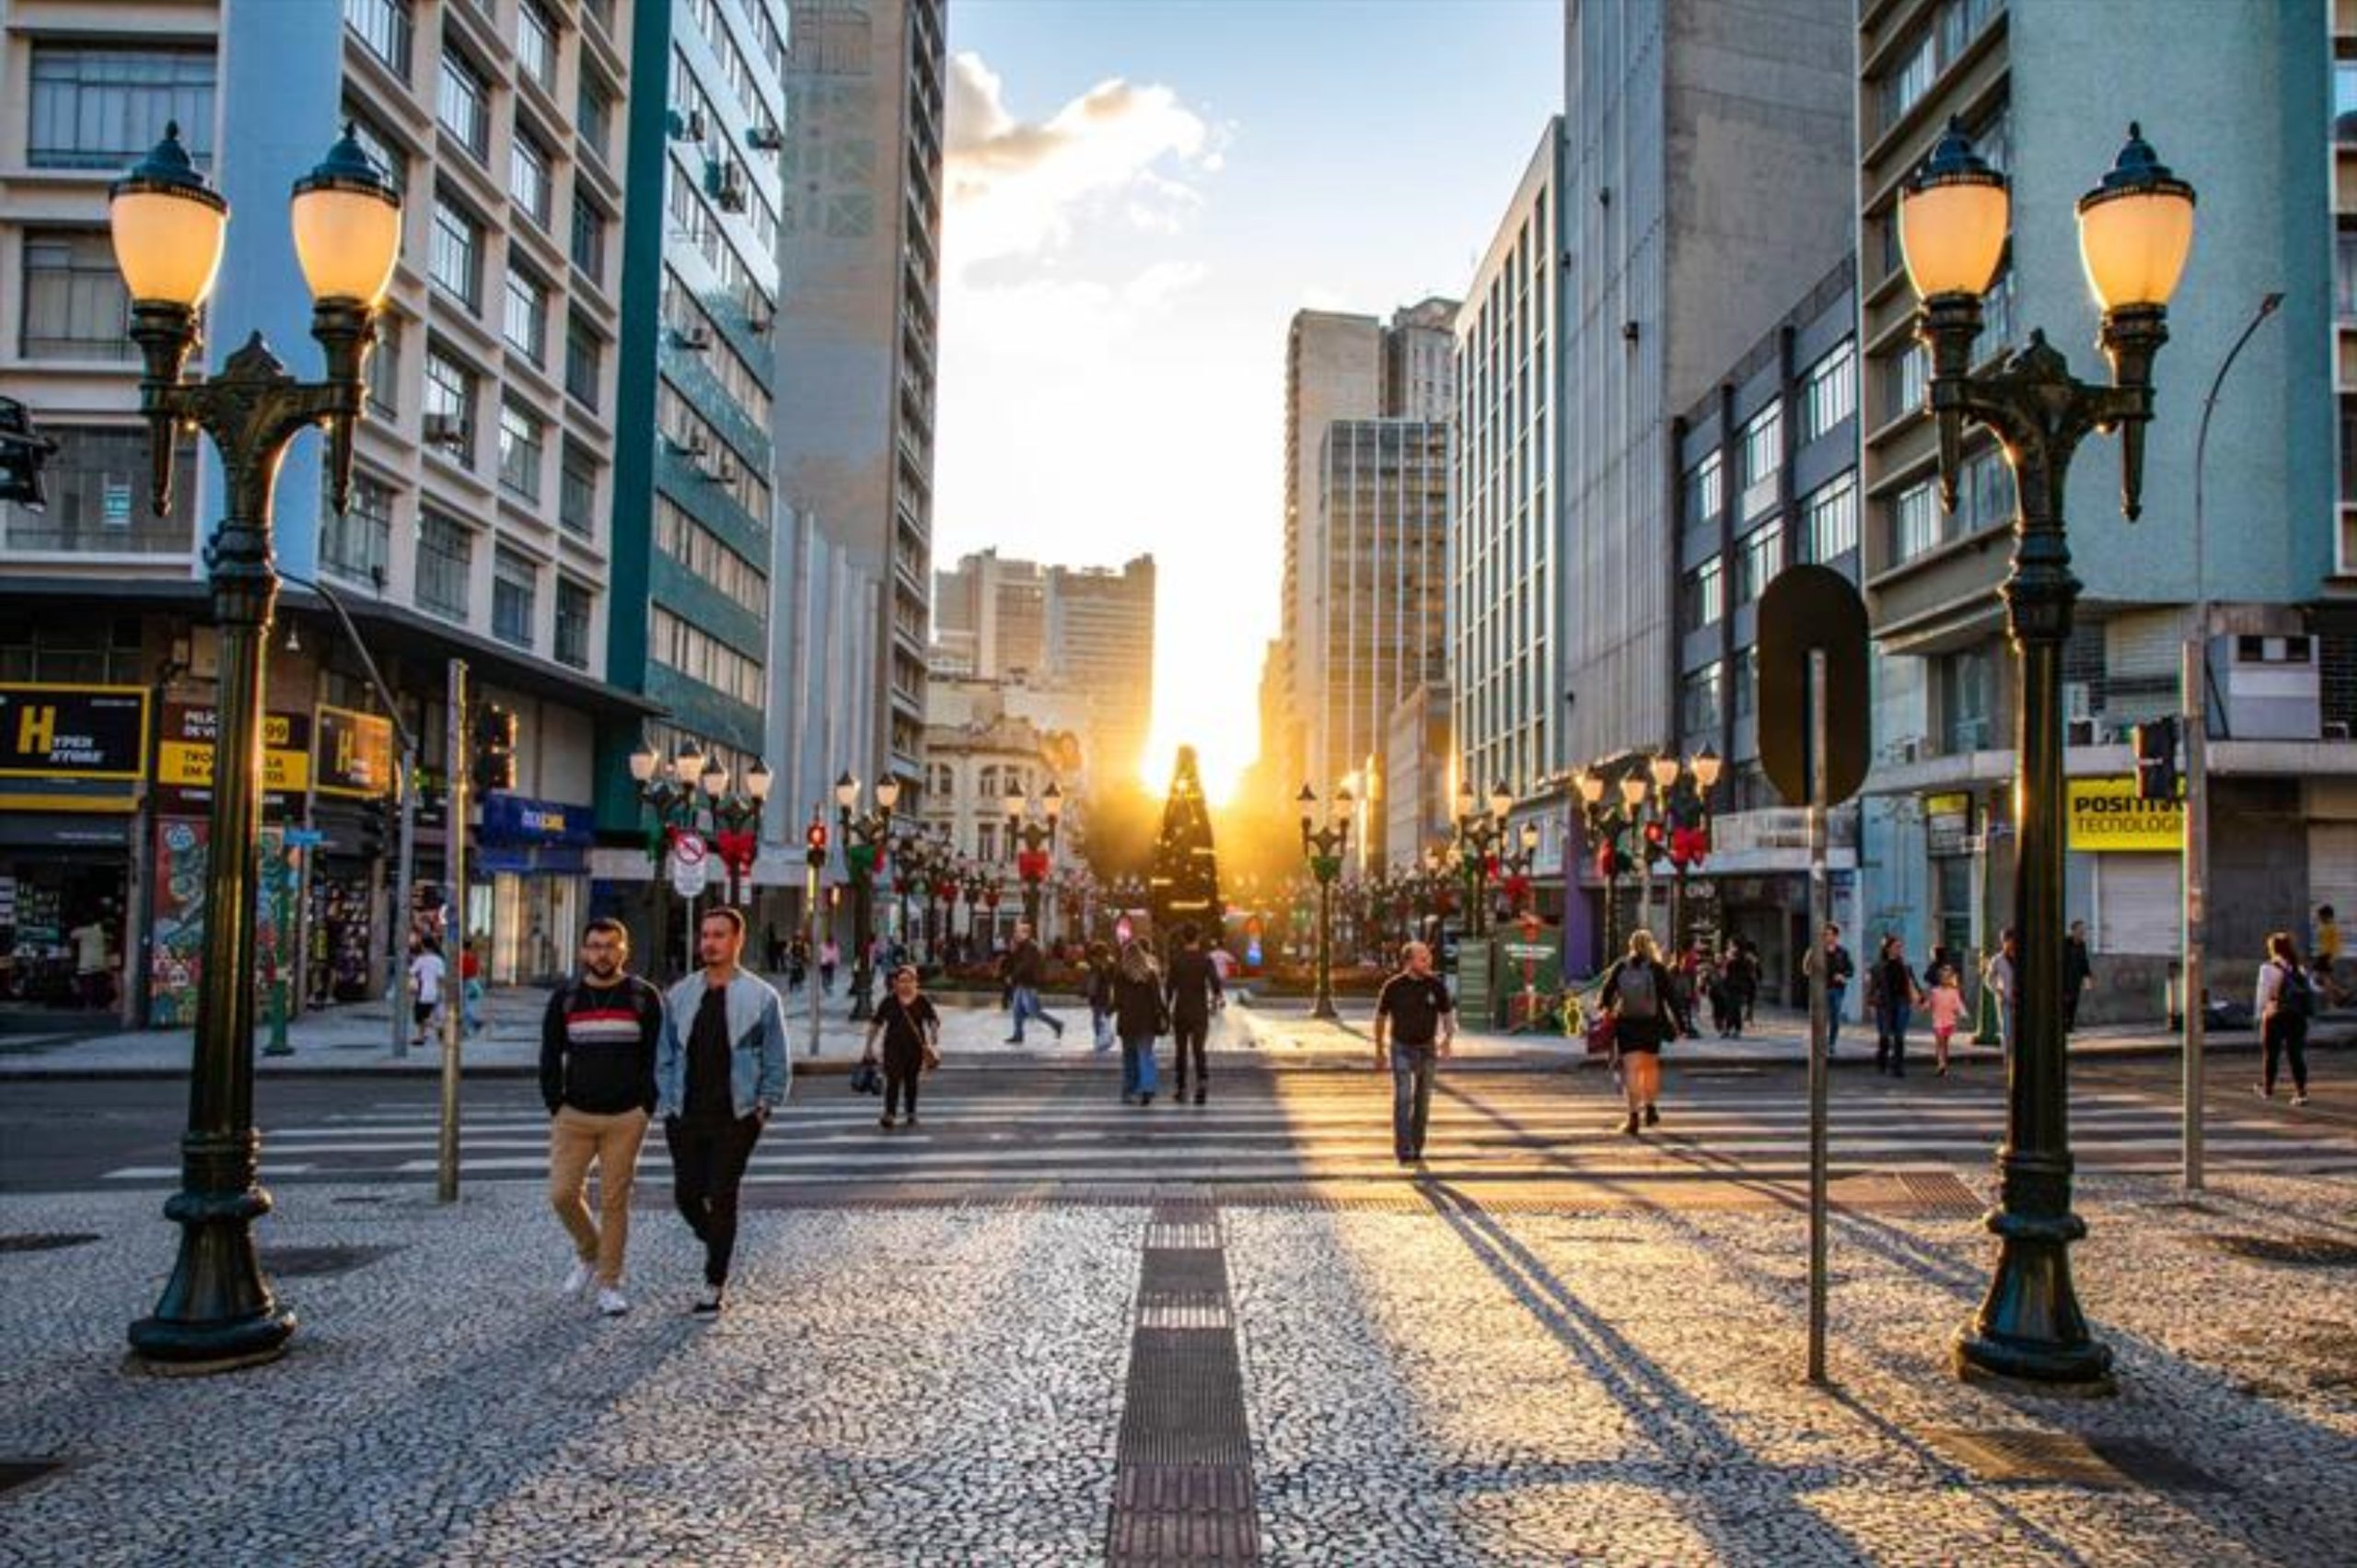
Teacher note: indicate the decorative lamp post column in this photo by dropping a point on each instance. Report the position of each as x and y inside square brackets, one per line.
[864, 838]
[169, 229]
[1685, 805]
[1516, 866]
[1604, 825]
[1633, 790]
[1030, 846]
[1323, 848]
[738, 819]
[1477, 838]
[667, 791]
[2135, 232]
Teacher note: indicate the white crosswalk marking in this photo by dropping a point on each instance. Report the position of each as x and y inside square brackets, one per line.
[1055, 1128]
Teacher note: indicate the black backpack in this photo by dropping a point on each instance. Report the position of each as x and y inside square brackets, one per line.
[2299, 993]
[1636, 995]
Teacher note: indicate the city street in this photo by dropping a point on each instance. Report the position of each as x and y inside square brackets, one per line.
[1046, 1328]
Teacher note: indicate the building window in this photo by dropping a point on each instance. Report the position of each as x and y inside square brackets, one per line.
[523, 442]
[1760, 555]
[593, 115]
[1747, 682]
[1832, 393]
[98, 106]
[385, 367]
[526, 316]
[1704, 595]
[1698, 700]
[1759, 455]
[535, 43]
[96, 488]
[576, 495]
[463, 104]
[75, 303]
[1906, 381]
[707, 559]
[528, 176]
[446, 551]
[384, 25]
[379, 146]
[575, 604]
[2344, 274]
[1967, 702]
[358, 544]
[1984, 494]
[588, 249]
[1831, 516]
[456, 262]
[584, 354]
[450, 425]
[1704, 491]
[696, 654]
[514, 583]
[1914, 521]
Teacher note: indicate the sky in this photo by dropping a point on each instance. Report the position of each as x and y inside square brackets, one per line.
[1141, 194]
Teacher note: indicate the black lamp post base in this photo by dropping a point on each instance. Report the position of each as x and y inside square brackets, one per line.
[2029, 1332]
[217, 1312]
[2003, 1366]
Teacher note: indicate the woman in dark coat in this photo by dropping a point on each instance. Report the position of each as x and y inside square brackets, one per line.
[1637, 993]
[1193, 992]
[1140, 1016]
[912, 1038]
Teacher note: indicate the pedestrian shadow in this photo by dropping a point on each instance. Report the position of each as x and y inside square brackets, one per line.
[1720, 1484]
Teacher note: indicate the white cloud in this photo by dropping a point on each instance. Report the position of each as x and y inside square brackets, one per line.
[1025, 187]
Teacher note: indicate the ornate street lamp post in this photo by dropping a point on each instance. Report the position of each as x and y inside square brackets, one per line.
[737, 819]
[2135, 232]
[667, 791]
[1323, 848]
[1606, 823]
[1515, 864]
[169, 229]
[1477, 838]
[864, 838]
[1031, 845]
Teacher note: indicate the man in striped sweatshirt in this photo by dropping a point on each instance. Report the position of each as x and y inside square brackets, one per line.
[597, 1045]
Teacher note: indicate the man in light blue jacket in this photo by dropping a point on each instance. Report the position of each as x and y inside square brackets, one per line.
[720, 1070]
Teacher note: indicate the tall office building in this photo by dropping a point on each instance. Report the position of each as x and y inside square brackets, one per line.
[1354, 369]
[856, 334]
[479, 526]
[995, 610]
[1706, 186]
[2242, 100]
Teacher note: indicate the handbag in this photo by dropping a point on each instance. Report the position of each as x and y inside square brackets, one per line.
[866, 1077]
[931, 1056]
[1601, 1033]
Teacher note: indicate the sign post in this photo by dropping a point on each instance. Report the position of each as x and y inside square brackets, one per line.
[1811, 667]
[454, 888]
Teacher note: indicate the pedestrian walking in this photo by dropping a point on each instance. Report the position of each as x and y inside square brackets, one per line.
[1897, 995]
[2002, 976]
[1100, 994]
[1637, 993]
[1415, 1026]
[797, 966]
[425, 977]
[2078, 974]
[598, 1041]
[1744, 979]
[1947, 1008]
[1834, 959]
[2285, 1002]
[721, 1071]
[1194, 993]
[910, 1031]
[830, 957]
[1140, 1016]
[471, 987]
[1027, 970]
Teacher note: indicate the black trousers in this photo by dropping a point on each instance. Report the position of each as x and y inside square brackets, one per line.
[2286, 1036]
[899, 1077]
[1190, 1034]
[707, 1167]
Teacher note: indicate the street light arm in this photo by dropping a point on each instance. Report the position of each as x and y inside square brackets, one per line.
[367, 663]
[2267, 305]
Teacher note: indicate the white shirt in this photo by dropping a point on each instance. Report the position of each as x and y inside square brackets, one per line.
[426, 973]
[2271, 986]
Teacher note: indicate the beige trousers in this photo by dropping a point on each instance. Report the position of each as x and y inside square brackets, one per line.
[576, 1137]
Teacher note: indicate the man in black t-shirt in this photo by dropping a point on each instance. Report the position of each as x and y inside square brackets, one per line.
[1415, 1019]
[597, 1043]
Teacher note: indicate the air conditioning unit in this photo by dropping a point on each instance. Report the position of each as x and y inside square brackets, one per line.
[720, 471]
[2269, 687]
[443, 430]
[760, 321]
[688, 127]
[1909, 749]
[2078, 700]
[2080, 731]
[731, 194]
[766, 138]
[697, 338]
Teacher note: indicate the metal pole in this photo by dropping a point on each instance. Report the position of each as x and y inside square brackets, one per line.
[454, 831]
[1818, 913]
[2195, 688]
[814, 859]
[1324, 1006]
[397, 927]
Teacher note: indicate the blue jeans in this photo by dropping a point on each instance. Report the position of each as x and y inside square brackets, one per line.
[1833, 996]
[1890, 1036]
[1412, 1098]
[1027, 1006]
[1137, 1064]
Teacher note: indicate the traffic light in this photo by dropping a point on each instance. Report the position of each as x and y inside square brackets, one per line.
[495, 749]
[1656, 842]
[814, 839]
[21, 455]
[2157, 776]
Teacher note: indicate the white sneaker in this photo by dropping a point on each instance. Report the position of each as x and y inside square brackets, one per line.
[611, 1302]
[578, 1279]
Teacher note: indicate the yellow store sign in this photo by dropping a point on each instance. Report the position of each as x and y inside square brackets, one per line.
[2106, 815]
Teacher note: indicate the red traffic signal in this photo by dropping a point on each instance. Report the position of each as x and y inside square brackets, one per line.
[815, 836]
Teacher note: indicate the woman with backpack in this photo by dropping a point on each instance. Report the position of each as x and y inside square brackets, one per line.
[1140, 1016]
[1637, 993]
[2285, 1003]
[1897, 994]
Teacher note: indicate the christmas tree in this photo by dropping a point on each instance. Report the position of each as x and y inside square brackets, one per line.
[1184, 887]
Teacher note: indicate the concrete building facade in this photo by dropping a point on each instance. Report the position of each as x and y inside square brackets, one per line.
[2241, 101]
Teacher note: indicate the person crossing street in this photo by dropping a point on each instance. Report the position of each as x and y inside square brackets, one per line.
[1636, 993]
[1027, 970]
[597, 1044]
[1415, 1026]
[718, 1077]
[1194, 991]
